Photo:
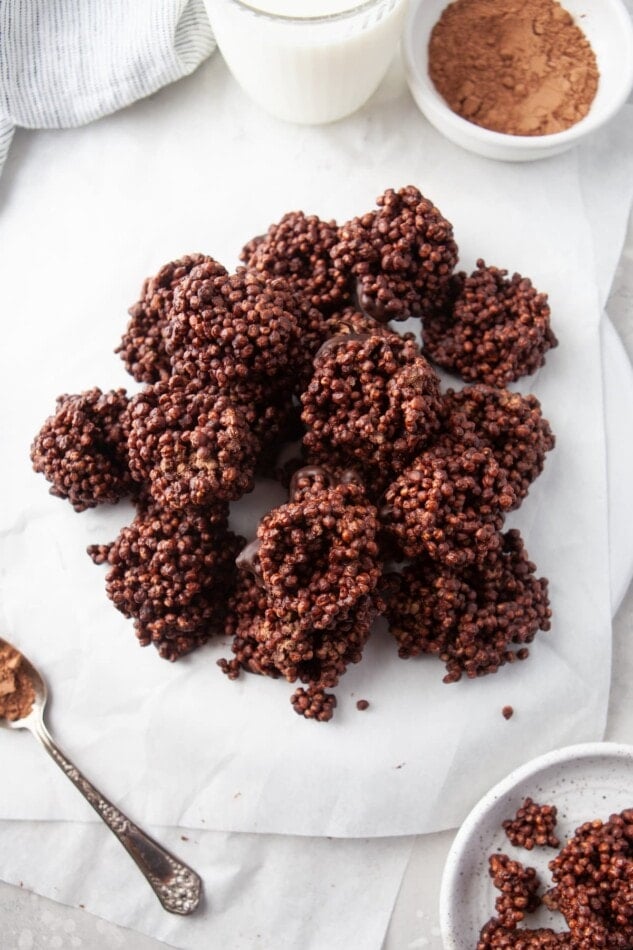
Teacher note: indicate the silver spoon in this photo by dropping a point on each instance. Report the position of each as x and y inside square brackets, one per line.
[177, 887]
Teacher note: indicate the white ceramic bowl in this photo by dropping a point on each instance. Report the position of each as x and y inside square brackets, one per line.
[591, 780]
[608, 27]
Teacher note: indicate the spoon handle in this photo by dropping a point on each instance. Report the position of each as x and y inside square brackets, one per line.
[177, 887]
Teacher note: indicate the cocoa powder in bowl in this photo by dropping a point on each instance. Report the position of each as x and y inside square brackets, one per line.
[521, 67]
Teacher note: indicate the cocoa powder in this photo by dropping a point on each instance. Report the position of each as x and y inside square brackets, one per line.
[516, 66]
[16, 689]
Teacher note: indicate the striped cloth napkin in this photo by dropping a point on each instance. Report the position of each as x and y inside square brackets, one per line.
[64, 63]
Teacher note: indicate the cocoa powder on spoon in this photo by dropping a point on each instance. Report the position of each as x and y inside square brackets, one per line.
[16, 689]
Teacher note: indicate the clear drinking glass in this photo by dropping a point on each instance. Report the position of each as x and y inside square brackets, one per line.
[308, 69]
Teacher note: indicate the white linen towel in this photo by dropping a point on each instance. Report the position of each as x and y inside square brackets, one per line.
[64, 63]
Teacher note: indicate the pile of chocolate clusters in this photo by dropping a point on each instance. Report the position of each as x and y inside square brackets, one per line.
[296, 346]
[592, 885]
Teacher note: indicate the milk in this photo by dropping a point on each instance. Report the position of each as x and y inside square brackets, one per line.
[301, 9]
[308, 61]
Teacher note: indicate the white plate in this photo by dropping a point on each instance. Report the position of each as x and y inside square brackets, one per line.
[592, 780]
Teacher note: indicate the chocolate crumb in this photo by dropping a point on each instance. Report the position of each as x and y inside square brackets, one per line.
[507, 712]
[518, 886]
[362, 704]
[533, 825]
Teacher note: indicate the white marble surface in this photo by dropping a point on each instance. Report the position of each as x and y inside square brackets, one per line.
[29, 922]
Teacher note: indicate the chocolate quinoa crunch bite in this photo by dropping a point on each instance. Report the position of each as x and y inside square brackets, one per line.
[401, 256]
[189, 447]
[512, 425]
[235, 330]
[306, 596]
[266, 644]
[318, 555]
[493, 331]
[170, 571]
[473, 620]
[298, 248]
[82, 449]
[142, 347]
[373, 401]
[449, 506]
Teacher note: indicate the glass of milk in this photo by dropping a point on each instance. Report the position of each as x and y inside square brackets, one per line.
[308, 61]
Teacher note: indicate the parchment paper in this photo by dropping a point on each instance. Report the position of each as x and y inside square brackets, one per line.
[86, 216]
[280, 892]
[325, 877]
